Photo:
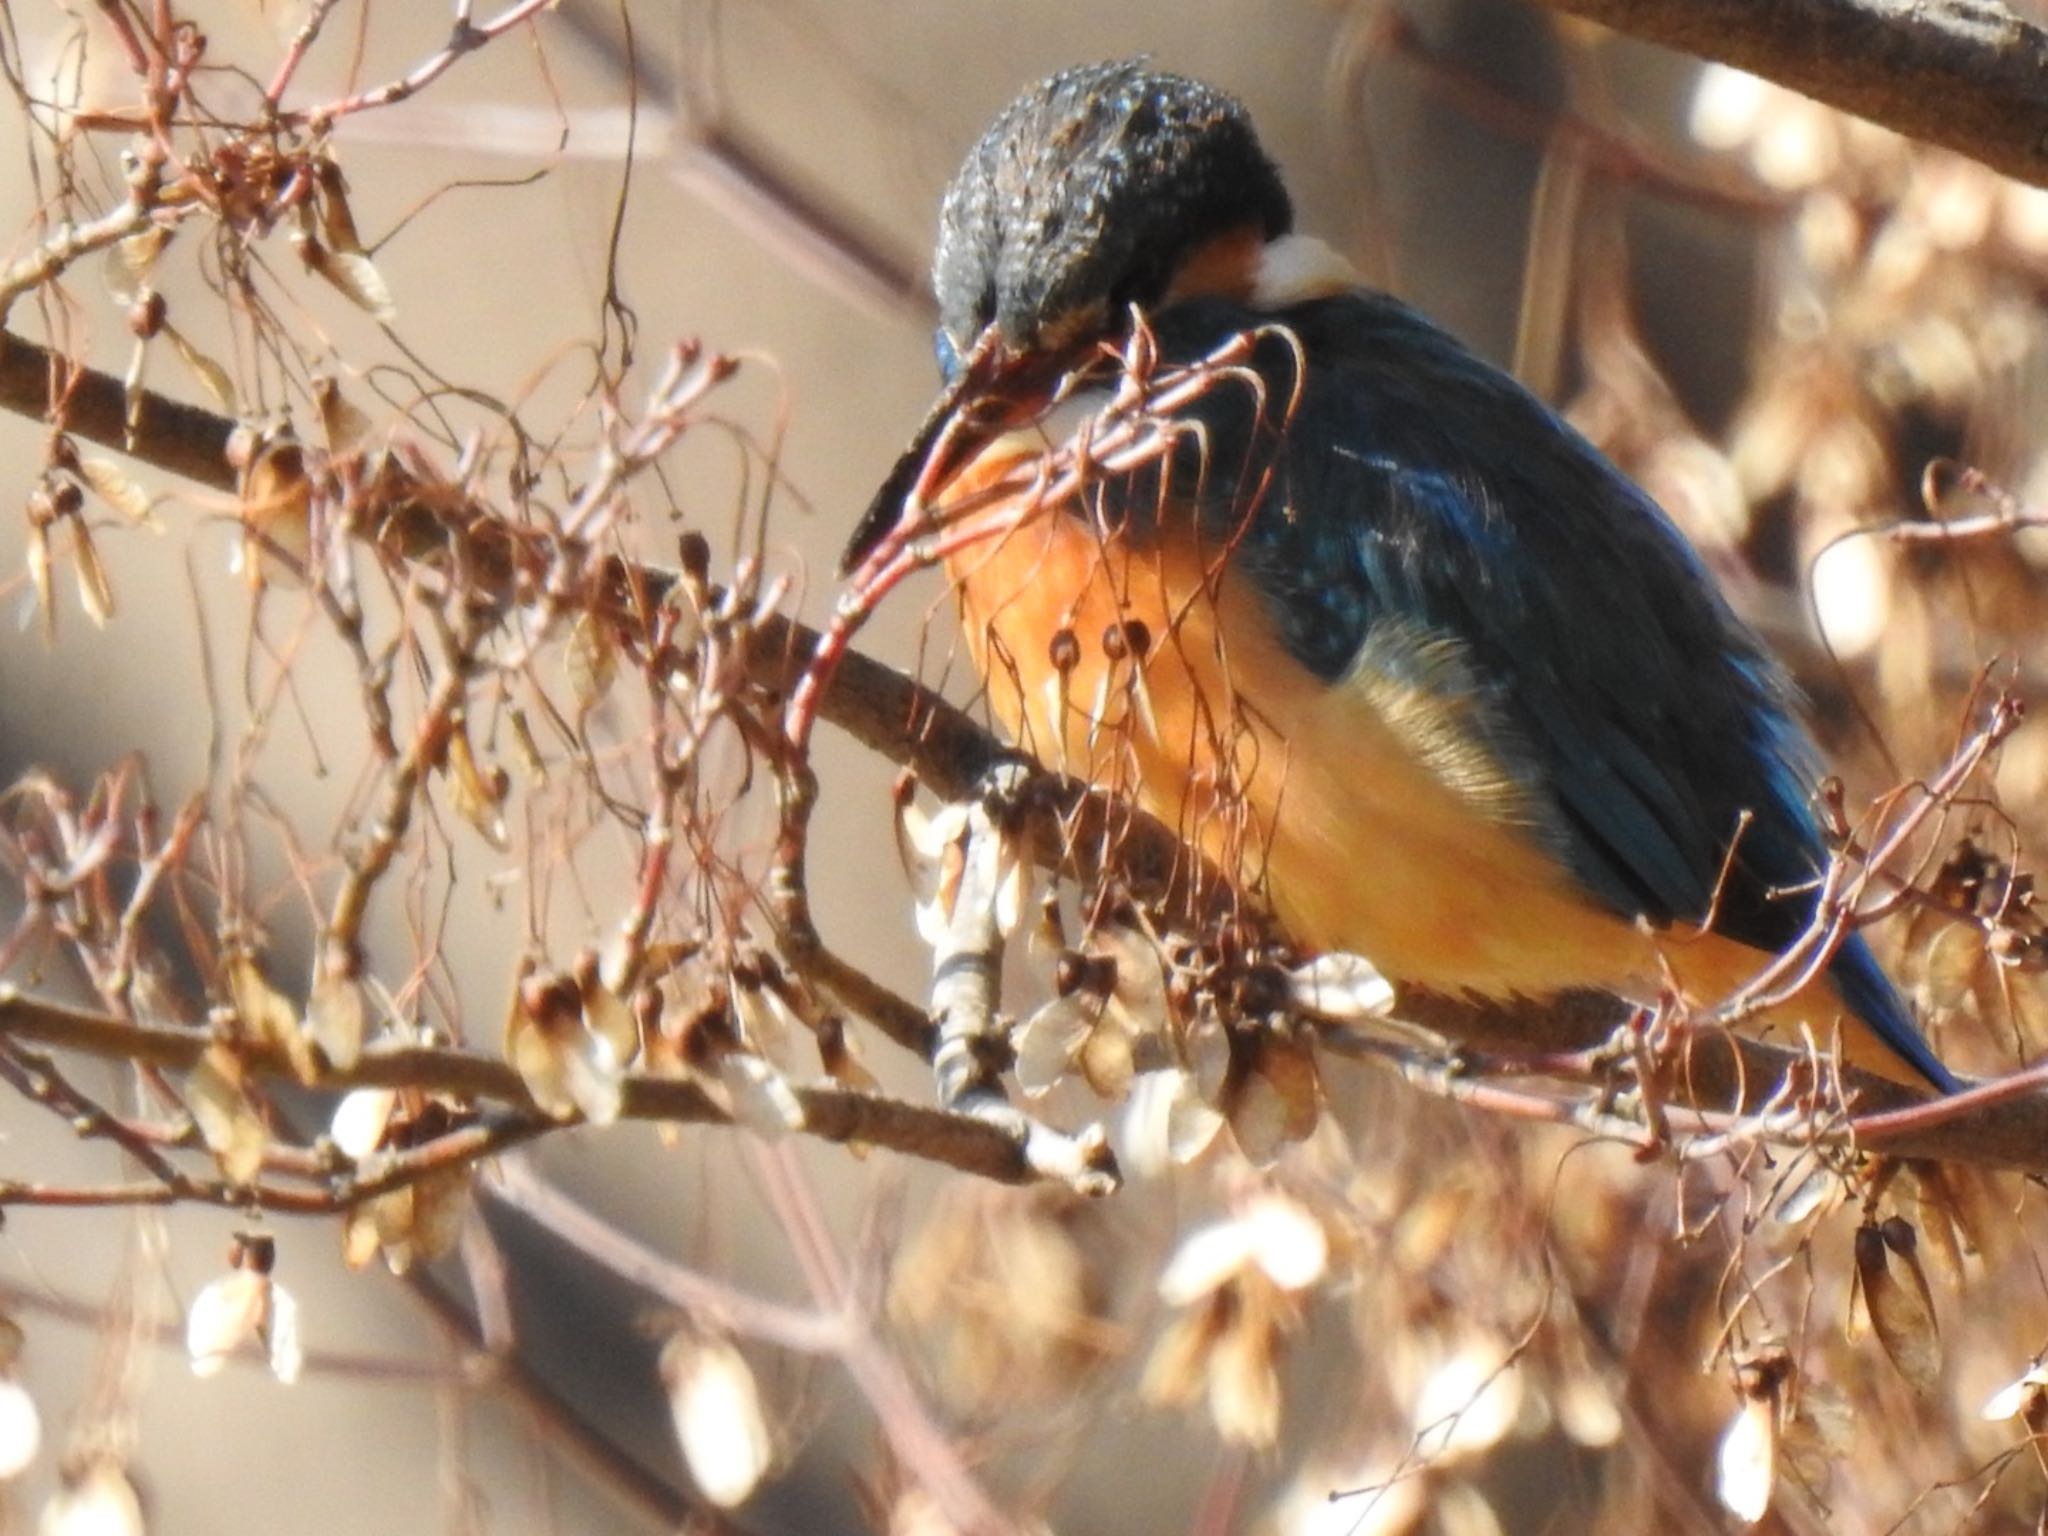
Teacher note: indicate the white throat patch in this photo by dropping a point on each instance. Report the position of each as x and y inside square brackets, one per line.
[1297, 268]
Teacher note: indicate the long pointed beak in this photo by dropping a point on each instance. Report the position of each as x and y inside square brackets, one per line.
[994, 392]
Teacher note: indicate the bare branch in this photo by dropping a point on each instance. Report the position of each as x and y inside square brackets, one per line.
[829, 1113]
[1968, 75]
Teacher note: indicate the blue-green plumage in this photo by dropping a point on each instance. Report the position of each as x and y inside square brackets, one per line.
[1410, 489]
[1418, 528]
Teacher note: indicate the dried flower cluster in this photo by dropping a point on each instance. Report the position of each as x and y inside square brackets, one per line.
[1654, 1291]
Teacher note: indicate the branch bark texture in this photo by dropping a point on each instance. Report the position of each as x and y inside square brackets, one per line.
[1968, 75]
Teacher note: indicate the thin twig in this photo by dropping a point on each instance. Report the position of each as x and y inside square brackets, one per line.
[829, 1113]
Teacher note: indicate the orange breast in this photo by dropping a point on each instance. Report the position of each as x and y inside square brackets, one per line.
[1360, 811]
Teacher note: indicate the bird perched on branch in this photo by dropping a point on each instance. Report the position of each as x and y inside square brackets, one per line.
[1354, 610]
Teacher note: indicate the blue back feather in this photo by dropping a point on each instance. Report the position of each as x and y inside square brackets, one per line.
[1418, 491]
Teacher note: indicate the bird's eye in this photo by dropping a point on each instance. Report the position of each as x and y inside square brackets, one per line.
[947, 354]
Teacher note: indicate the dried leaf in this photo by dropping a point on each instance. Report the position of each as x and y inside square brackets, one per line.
[1192, 1126]
[277, 510]
[945, 897]
[267, 1016]
[593, 1077]
[1108, 1058]
[344, 428]
[94, 1500]
[337, 222]
[95, 591]
[1014, 882]
[1047, 1042]
[1208, 1259]
[765, 1021]
[133, 392]
[1210, 1057]
[477, 797]
[21, 1429]
[1587, 1412]
[281, 1334]
[2018, 1395]
[1950, 1214]
[716, 1409]
[592, 661]
[1468, 1400]
[337, 1018]
[1276, 1103]
[1820, 1436]
[224, 1316]
[606, 1015]
[1138, 1000]
[538, 1055]
[1164, 1124]
[390, 1219]
[114, 488]
[360, 1121]
[1461, 1509]
[1746, 1463]
[839, 1053]
[1178, 1365]
[1944, 1242]
[530, 757]
[925, 839]
[1901, 1315]
[1288, 1241]
[361, 1236]
[1244, 1386]
[245, 1305]
[354, 276]
[1903, 1239]
[441, 1204]
[228, 1123]
[1345, 989]
[212, 377]
[38, 555]
[1806, 1197]
[420, 1221]
[129, 266]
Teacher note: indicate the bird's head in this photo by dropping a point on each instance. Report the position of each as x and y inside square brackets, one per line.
[1092, 192]
[1103, 187]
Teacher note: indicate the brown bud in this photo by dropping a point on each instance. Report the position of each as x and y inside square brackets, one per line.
[1078, 972]
[693, 554]
[146, 315]
[255, 1251]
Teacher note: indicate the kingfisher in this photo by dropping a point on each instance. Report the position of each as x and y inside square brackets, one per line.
[1378, 629]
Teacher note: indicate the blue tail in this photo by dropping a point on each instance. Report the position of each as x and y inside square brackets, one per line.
[1873, 999]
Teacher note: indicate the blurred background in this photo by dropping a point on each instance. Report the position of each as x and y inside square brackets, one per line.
[1773, 317]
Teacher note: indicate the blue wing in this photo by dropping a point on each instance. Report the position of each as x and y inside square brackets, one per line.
[1605, 671]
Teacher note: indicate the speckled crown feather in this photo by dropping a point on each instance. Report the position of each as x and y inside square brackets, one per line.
[1086, 193]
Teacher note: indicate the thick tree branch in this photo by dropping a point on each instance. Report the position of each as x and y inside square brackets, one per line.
[1967, 75]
